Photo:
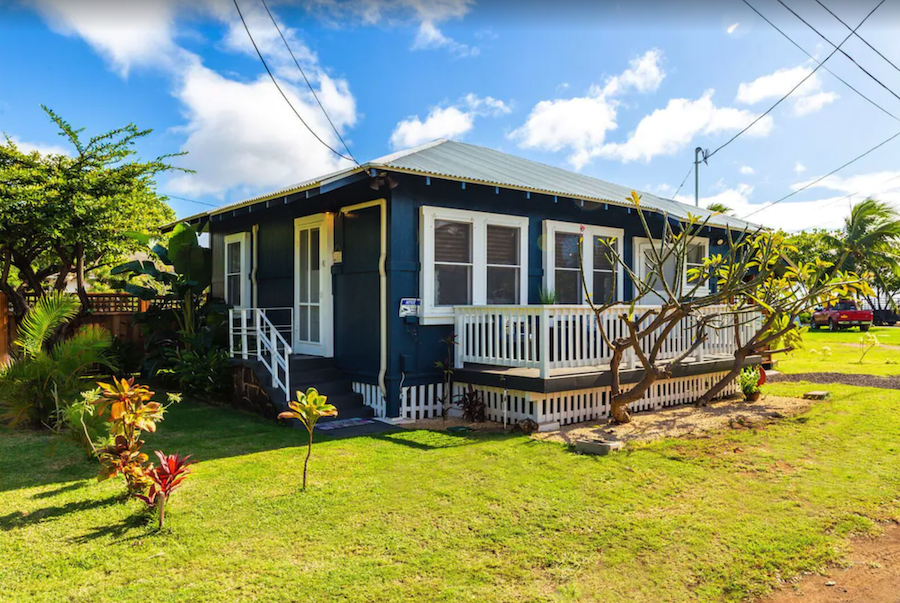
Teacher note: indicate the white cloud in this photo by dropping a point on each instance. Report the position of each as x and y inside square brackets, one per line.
[813, 102]
[645, 74]
[669, 130]
[429, 37]
[241, 135]
[806, 99]
[732, 28]
[799, 168]
[124, 32]
[40, 147]
[446, 122]
[581, 123]
[747, 170]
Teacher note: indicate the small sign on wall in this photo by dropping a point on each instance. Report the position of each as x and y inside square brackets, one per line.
[409, 306]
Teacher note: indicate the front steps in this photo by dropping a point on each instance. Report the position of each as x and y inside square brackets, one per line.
[320, 373]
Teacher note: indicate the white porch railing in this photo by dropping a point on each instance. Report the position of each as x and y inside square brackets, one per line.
[557, 336]
[252, 334]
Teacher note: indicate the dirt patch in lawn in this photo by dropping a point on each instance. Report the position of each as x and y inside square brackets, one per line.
[842, 378]
[683, 421]
[872, 575]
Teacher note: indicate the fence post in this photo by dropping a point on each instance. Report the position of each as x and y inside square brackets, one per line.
[4, 329]
[461, 339]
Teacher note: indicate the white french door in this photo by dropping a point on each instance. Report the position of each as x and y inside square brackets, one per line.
[312, 285]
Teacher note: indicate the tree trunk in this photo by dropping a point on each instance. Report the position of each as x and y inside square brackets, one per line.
[714, 391]
[620, 411]
[79, 279]
[306, 462]
[161, 507]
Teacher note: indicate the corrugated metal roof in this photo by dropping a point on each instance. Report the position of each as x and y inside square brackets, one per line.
[471, 163]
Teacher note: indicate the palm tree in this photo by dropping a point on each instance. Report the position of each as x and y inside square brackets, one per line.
[869, 238]
[45, 376]
[720, 208]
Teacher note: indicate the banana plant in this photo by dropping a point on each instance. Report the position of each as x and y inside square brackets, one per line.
[308, 408]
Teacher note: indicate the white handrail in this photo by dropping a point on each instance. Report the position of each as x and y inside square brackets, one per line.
[272, 349]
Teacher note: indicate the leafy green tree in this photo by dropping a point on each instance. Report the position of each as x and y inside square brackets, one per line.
[806, 246]
[76, 210]
[720, 208]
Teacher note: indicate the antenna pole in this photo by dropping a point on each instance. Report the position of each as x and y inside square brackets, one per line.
[697, 152]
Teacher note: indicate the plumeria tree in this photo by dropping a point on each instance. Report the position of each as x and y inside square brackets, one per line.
[750, 289]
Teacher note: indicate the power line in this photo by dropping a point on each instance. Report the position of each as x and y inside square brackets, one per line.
[190, 200]
[283, 95]
[838, 47]
[891, 63]
[800, 83]
[682, 182]
[839, 78]
[854, 160]
[311, 89]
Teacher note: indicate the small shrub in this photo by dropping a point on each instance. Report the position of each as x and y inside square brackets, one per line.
[822, 355]
[805, 317]
[547, 297]
[749, 381]
[473, 406]
[867, 341]
[164, 480]
[130, 412]
[308, 408]
[202, 374]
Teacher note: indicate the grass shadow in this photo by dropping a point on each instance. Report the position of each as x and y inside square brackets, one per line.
[116, 530]
[17, 519]
[60, 490]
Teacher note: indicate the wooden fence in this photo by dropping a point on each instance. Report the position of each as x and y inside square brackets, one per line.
[112, 311]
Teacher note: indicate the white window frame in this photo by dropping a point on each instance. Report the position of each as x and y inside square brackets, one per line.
[443, 315]
[641, 242]
[244, 239]
[552, 227]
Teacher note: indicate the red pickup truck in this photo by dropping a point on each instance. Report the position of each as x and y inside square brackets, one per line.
[841, 315]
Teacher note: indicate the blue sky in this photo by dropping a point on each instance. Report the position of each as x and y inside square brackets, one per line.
[621, 92]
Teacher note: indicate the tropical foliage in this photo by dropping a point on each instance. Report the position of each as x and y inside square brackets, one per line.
[129, 410]
[75, 209]
[749, 381]
[308, 408]
[164, 480]
[45, 377]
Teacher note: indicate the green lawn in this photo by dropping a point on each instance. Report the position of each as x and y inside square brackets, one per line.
[426, 516]
[845, 353]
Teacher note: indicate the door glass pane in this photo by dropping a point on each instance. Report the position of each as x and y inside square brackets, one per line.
[314, 323]
[303, 323]
[502, 285]
[314, 265]
[452, 285]
[651, 273]
[602, 254]
[452, 242]
[234, 258]
[304, 266]
[568, 287]
[502, 245]
[566, 250]
[233, 290]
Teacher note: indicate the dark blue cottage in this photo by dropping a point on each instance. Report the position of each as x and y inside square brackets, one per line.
[354, 281]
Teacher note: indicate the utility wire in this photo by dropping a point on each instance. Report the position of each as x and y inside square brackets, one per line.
[800, 83]
[816, 181]
[839, 78]
[305, 79]
[189, 200]
[283, 95]
[682, 182]
[891, 63]
[838, 47]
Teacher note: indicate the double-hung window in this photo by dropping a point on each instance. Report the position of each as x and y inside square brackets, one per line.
[564, 260]
[697, 250]
[237, 267]
[471, 258]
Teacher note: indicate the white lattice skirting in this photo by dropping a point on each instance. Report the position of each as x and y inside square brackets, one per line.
[589, 404]
[575, 406]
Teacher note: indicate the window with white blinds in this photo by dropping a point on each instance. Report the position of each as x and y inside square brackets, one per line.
[471, 258]
[573, 246]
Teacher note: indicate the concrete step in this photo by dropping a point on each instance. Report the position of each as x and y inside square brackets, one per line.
[302, 362]
[323, 375]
